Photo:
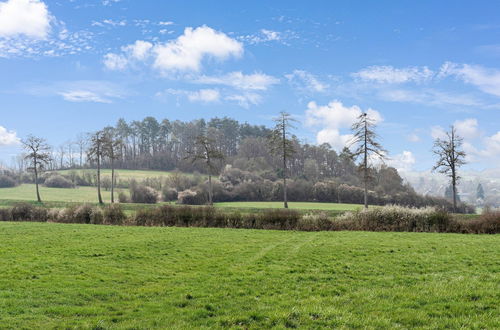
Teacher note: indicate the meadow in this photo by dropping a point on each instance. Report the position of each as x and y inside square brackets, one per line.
[100, 277]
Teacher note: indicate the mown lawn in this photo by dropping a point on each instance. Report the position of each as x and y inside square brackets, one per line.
[86, 276]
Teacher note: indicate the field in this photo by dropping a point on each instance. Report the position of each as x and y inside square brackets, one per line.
[123, 174]
[87, 276]
[26, 192]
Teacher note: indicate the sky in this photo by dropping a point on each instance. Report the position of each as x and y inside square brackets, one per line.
[417, 67]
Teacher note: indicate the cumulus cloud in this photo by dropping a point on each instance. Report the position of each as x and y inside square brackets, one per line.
[187, 51]
[467, 128]
[255, 81]
[306, 81]
[8, 138]
[403, 162]
[30, 18]
[333, 117]
[390, 75]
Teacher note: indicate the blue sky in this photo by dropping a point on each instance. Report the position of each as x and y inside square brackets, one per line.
[418, 66]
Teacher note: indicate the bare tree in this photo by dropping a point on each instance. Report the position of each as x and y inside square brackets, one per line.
[38, 156]
[281, 144]
[62, 152]
[205, 150]
[450, 158]
[97, 143]
[82, 144]
[365, 139]
[112, 150]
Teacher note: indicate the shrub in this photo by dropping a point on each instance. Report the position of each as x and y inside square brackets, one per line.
[5, 215]
[487, 223]
[28, 212]
[314, 222]
[191, 197]
[278, 219]
[396, 218]
[58, 181]
[123, 197]
[169, 194]
[113, 215]
[142, 194]
[7, 182]
[83, 214]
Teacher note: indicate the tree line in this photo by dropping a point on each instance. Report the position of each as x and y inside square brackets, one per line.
[207, 147]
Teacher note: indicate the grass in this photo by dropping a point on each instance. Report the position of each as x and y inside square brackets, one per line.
[26, 192]
[85, 276]
[293, 205]
[124, 174]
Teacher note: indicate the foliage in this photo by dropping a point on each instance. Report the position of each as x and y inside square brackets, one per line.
[58, 181]
[142, 194]
[7, 181]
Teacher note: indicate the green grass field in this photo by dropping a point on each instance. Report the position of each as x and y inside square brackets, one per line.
[26, 192]
[100, 277]
[293, 205]
[126, 174]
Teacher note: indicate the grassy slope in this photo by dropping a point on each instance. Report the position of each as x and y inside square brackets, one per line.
[27, 192]
[55, 275]
[293, 205]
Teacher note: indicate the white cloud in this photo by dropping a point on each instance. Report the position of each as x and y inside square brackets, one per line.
[306, 81]
[255, 81]
[30, 18]
[467, 128]
[8, 138]
[138, 51]
[83, 96]
[263, 36]
[332, 118]
[115, 62]
[245, 100]
[428, 97]
[437, 132]
[486, 79]
[403, 162]
[188, 51]
[390, 75]
[413, 137]
[166, 23]
[204, 95]
[79, 91]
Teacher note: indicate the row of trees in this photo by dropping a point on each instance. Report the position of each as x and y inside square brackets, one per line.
[207, 147]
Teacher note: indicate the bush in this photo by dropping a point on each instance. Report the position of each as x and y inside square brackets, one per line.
[123, 197]
[487, 223]
[314, 222]
[396, 218]
[113, 215]
[5, 215]
[191, 197]
[7, 182]
[28, 212]
[278, 219]
[58, 181]
[142, 194]
[169, 194]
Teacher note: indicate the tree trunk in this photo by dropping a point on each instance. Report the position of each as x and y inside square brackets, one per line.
[112, 181]
[36, 182]
[99, 179]
[365, 161]
[210, 201]
[285, 197]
